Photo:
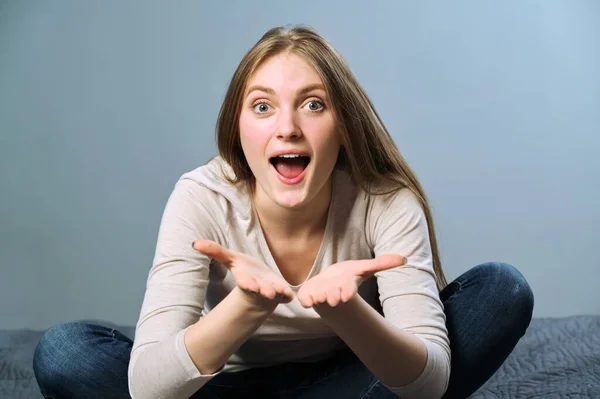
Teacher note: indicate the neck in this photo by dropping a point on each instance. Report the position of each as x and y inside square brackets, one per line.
[278, 221]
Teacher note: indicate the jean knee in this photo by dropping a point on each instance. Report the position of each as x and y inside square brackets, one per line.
[509, 282]
[55, 352]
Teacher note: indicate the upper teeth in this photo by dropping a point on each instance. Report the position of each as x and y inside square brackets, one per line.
[289, 156]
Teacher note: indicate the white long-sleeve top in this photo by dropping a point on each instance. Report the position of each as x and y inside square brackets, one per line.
[183, 284]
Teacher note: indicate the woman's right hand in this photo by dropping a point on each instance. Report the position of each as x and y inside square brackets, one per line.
[260, 284]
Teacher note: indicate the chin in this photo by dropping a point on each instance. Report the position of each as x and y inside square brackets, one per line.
[290, 200]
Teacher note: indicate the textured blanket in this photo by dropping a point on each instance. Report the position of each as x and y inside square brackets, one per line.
[557, 358]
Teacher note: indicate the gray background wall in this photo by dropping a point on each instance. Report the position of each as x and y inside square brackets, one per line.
[103, 105]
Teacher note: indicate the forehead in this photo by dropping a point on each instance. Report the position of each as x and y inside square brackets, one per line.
[287, 70]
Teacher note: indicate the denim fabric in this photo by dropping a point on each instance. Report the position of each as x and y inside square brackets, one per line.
[488, 310]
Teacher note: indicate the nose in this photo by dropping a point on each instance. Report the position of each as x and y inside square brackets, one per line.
[287, 126]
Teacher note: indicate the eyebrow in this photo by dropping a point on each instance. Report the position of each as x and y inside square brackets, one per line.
[304, 90]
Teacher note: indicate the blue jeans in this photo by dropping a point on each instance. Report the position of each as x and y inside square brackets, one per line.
[488, 310]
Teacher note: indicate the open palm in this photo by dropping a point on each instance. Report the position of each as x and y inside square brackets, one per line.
[251, 275]
[339, 282]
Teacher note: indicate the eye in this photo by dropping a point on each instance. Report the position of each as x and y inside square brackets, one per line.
[315, 105]
[261, 108]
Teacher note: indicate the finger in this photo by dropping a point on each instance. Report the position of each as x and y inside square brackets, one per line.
[304, 299]
[339, 296]
[267, 290]
[383, 262]
[320, 297]
[283, 289]
[347, 292]
[313, 299]
[248, 284]
[284, 298]
[289, 292]
[214, 250]
[333, 296]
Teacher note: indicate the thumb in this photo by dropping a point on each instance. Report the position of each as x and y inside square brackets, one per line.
[383, 262]
[214, 250]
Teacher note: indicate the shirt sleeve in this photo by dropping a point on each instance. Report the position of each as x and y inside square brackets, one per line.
[160, 366]
[408, 294]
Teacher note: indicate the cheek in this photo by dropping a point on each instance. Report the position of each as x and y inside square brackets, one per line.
[254, 133]
[326, 138]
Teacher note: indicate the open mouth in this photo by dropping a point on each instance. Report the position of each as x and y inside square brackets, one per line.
[290, 166]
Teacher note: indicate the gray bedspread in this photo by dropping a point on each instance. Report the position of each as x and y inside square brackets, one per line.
[557, 358]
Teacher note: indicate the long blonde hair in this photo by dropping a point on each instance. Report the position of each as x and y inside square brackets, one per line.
[368, 152]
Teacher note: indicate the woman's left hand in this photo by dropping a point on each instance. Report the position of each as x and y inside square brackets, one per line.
[339, 282]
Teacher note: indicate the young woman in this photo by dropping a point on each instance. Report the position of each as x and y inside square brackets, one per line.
[301, 262]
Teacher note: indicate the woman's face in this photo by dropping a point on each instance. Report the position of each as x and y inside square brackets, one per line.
[287, 131]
